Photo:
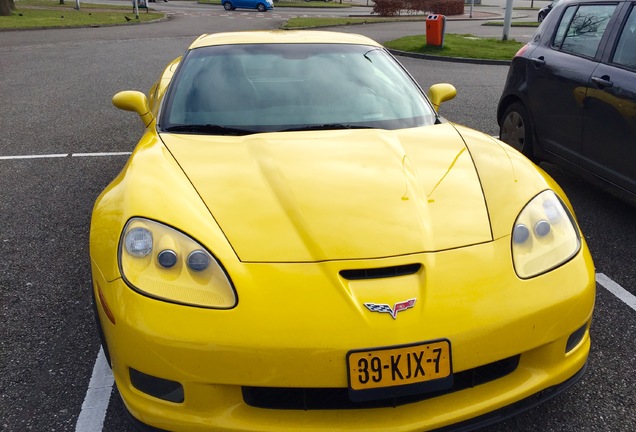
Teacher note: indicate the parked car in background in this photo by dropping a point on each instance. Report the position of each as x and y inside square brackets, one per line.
[544, 11]
[260, 5]
[570, 95]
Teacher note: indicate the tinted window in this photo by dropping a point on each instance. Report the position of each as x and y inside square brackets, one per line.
[625, 53]
[563, 26]
[581, 28]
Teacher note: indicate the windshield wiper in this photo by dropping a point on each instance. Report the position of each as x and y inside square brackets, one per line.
[209, 129]
[329, 126]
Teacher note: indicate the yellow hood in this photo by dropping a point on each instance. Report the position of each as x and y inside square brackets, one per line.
[345, 194]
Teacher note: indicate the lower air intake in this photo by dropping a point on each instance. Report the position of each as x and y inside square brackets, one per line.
[338, 398]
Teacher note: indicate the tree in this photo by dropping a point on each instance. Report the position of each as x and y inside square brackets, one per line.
[6, 6]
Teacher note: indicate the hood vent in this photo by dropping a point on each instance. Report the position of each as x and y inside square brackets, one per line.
[382, 272]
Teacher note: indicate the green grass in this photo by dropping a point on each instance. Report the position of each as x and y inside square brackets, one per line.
[455, 45]
[46, 14]
[466, 46]
[299, 23]
[68, 4]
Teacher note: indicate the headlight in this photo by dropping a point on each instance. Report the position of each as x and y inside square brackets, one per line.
[544, 236]
[165, 264]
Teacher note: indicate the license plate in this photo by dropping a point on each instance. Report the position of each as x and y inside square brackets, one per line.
[399, 370]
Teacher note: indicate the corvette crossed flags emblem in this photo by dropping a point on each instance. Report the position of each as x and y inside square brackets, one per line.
[400, 306]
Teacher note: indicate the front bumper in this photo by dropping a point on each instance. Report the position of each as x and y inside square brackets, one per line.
[295, 324]
[468, 425]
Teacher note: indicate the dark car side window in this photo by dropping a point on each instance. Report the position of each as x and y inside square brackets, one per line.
[625, 54]
[581, 28]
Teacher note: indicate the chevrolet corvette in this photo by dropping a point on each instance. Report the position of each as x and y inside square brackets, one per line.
[300, 241]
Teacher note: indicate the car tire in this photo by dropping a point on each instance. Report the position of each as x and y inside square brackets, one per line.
[261, 7]
[227, 6]
[516, 129]
[541, 17]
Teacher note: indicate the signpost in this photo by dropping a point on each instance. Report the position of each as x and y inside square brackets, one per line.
[507, 19]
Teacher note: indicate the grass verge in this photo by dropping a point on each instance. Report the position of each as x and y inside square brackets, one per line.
[466, 46]
[300, 23]
[455, 45]
[68, 4]
[31, 14]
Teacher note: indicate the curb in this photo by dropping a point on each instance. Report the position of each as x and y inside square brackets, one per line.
[450, 59]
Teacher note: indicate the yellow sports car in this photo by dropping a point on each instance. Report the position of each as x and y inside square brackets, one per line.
[300, 242]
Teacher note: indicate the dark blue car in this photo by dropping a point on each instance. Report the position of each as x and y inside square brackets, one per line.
[544, 11]
[570, 95]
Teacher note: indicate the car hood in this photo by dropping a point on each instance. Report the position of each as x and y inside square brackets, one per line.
[346, 194]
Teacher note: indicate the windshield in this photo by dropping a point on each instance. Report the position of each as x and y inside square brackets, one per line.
[241, 89]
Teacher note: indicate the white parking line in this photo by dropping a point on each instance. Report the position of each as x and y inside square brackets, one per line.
[91, 418]
[34, 156]
[63, 155]
[625, 296]
[100, 154]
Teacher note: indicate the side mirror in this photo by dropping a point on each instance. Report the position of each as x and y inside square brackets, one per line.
[439, 93]
[134, 101]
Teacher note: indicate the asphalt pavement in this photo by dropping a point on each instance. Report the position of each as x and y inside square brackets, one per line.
[62, 142]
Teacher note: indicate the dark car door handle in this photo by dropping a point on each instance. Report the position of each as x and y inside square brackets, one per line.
[602, 82]
[538, 61]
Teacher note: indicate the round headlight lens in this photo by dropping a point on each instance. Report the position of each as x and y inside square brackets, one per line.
[167, 258]
[552, 211]
[138, 242]
[542, 228]
[198, 260]
[520, 234]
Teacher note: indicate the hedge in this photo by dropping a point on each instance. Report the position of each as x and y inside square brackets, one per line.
[397, 7]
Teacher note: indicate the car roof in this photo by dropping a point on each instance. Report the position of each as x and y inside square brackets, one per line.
[569, 2]
[281, 36]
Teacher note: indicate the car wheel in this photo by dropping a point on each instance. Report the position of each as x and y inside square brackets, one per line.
[261, 7]
[227, 6]
[541, 17]
[516, 129]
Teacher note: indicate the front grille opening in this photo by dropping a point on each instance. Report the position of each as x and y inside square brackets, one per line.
[338, 398]
[160, 388]
[381, 272]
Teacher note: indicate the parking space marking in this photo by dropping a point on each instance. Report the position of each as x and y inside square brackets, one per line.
[625, 296]
[93, 413]
[63, 155]
[100, 154]
[59, 155]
